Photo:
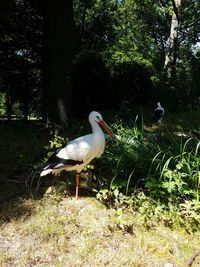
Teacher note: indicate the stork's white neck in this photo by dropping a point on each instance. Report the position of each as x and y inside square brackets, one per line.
[96, 129]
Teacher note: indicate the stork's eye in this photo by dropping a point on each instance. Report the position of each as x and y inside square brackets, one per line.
[98, 118]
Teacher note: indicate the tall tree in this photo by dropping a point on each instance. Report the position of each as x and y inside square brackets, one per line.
[19, 54]
[57, 58]
[170, 58]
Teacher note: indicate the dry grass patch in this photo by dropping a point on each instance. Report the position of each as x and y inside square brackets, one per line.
[63, 232]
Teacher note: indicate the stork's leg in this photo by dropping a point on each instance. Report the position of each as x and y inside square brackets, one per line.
[77, 183]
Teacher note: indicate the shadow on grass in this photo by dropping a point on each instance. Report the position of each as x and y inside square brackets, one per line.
[22, 149]
[24, 203]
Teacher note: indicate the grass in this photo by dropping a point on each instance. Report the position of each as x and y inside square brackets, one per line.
[52, 229]
[58, 231]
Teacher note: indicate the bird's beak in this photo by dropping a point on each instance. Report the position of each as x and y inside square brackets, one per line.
[105, 127]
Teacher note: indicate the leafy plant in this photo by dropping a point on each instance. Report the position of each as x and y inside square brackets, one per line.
[177, 175]
[127, 160]
[157, 182]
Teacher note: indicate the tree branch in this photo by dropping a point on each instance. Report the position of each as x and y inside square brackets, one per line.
[175, 8]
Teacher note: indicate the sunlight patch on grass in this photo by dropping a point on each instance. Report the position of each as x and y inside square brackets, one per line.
[65, 232]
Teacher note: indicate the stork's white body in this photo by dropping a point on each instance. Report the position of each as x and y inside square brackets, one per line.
[160, 108]
[84, 148]
[158, 113]
[79, 152]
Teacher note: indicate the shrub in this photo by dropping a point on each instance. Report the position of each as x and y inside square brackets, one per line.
[158, 181]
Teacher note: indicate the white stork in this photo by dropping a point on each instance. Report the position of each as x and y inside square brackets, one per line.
[76, 154]
[158, 113]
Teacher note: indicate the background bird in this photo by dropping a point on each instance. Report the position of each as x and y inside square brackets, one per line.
[76, 154]
[158, 113]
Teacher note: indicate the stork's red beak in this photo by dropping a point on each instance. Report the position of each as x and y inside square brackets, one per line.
[105, 127]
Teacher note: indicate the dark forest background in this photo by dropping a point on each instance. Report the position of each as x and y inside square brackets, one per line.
[62, 59]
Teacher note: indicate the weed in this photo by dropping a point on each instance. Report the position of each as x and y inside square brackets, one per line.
[157, 183]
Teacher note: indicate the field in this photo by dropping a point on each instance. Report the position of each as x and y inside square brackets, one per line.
[43, 225]
[62, 232]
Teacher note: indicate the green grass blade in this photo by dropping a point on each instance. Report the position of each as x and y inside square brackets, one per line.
[165, 166]
[197, 149]
[128, 182]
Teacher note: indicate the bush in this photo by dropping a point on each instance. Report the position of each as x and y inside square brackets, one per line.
[158, 182]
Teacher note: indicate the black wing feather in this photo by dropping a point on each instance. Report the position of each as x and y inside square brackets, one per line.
[58, 163]
[54, 162]
[158, 113]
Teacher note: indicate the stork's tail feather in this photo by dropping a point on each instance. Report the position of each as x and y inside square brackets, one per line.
[45, 172]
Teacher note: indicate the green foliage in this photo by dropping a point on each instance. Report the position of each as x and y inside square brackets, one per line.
[185, 213]
[20, 42]
[2, 104]
[130, 156]
[98, 17]
[157, 183]
[56, 142]
[113, 197]
[175, 175]
[123, 58]
[129, 56]
[131, 80]
[150, 211]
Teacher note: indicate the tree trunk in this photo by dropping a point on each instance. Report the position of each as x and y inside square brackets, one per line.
[25, 110]
[8, 103]
[57, 57]
[170, 57]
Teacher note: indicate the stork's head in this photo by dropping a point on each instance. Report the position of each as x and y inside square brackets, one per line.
[159, 105]
[95, 116]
